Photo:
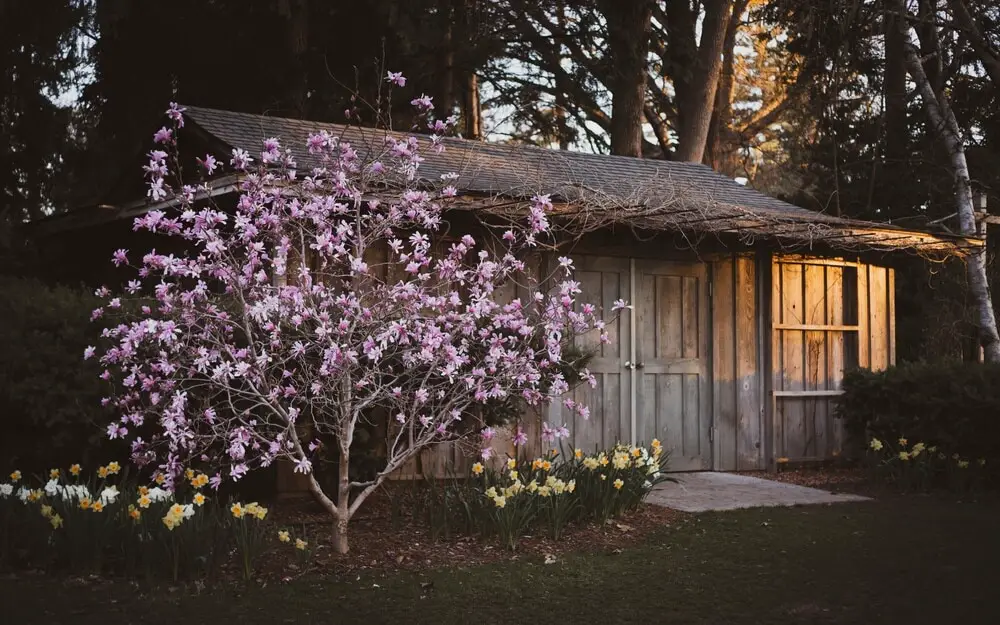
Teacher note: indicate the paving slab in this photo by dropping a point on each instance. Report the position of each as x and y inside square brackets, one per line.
[705, 491]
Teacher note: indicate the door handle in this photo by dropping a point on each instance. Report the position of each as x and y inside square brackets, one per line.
[634, 365]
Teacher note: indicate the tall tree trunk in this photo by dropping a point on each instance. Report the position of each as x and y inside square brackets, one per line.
[943, 122]
[296, 14]
[444, 99]
[471, 108]
[628, 24]
[897, 130]
[718, 146]
[693, 132]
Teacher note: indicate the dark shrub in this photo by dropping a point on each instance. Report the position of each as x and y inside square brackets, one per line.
[50, 398]
[955, 406]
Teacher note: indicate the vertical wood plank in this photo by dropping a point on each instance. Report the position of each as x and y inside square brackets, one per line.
[749, 438]
[793, 373]
[690, 314]
[864, 325]
[776, 361]
[891, 312]
[669, 319]
[878, 318]
[724, 305]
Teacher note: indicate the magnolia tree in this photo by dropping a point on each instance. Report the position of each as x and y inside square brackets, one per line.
[316, 305]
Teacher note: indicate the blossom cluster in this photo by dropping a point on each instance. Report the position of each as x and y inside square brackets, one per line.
[266, 327]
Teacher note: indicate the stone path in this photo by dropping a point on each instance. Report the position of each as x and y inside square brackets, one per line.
[704, 491]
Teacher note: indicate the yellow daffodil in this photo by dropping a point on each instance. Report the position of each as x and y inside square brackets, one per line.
[160, 479]
[511, 463]
[602, 460]
[603, 477]
[199, 480]
[56, 521]
[590, 462]
[199, 499]
[876, 444]
[34, 495]
[655, 443]
[54, 474]
[134, 512]
[97, 506]
[74, 470]
[546, 465]
[904, 456]
[237, 510]
[513, 475]
[283, 536]
[144, 501]
[536, 464]
[500, 501]
[189, 474]
[544, 491]
[85, 503]
[301, 544]
[114, 468]
[15, 476]
[102, 472]
[532, 486]
[903, 442]
[963, 464]
[919, 447]
[170, 522]
[478, 468]
[618, 484]
[571, 486]
[143, 491]
[46, 511]
[578, 453]
[636, 452]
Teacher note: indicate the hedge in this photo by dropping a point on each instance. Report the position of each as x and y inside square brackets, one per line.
[955, 406]
[50, 398]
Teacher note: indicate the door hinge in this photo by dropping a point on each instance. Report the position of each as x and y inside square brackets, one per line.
[711, 434]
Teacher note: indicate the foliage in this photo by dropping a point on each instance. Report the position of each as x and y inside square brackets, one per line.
[49, 400]
[920, 467]
[264, 339]
[109, 521]
[547, 493]
[952, 406]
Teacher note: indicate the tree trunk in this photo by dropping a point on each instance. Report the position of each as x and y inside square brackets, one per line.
[943, 120]
[718, 145]
[471, 109]
[340, 543]
[693, 132]
[897, 130]
[296, 14]
[629, 23]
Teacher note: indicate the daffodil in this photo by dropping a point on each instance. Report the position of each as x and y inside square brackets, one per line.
[876, 444]
[491, 492]
[54, 474]
[578, 453]
[478, 468]
[618, 484]
[144, 501]
[114, 468]
[590, 462]
[903, 442]
[160, 479]
[143, 491]
[511, 463]
[636, 452]
[74, 470]
[500, 501]
[102, 472]
[237, 510]
[301, 544]
[170, 522]
[536, 464]
[34, 495]
[963, 464]
[56, 521]
[85, 503]
[97, 506]
[544, 491]
[532, 486]
[189, 474]
[134, 512]
[199, 499]
[571, 486]
[546, 465]
[283, 536]
[513, 475]
[904, 456]
[602, 460]
[46, 511]
[15, 476]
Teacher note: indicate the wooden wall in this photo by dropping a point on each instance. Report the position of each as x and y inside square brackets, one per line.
[739, 432]
[825, 316]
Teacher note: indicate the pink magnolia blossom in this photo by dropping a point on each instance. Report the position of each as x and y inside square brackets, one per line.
[305, 302]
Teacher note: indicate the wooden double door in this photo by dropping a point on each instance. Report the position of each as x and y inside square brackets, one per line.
[653, 376]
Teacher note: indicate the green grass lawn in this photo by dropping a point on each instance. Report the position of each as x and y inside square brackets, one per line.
[916, 559]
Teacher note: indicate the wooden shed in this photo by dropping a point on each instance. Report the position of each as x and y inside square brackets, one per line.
[746, 310]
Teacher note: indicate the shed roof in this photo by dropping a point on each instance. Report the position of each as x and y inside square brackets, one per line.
[594, 190]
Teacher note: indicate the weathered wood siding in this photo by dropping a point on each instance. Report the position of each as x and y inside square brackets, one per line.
[739, 431]
[826, 316]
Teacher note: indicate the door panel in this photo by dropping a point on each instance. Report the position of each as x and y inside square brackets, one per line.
[602, 280]
[672, 398]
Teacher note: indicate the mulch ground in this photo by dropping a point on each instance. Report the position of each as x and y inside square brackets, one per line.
[835, 479]
[380, 544]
